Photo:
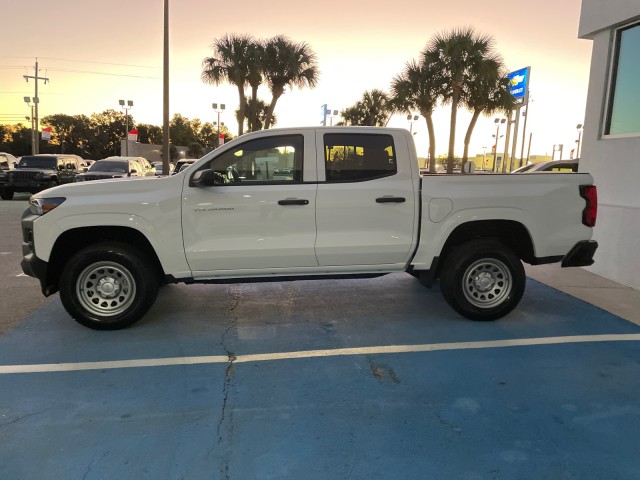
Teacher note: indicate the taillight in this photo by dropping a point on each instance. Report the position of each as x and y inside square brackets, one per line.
[590, 212]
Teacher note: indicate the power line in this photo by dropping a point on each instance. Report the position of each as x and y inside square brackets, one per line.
[100, 73]
[100, 63]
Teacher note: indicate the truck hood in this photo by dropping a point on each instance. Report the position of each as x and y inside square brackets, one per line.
[114, 187]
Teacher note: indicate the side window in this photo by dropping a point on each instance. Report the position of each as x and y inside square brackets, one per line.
[263, 160]
[353, 157]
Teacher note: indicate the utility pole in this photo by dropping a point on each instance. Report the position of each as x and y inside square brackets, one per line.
[36, 100]
[166, 157]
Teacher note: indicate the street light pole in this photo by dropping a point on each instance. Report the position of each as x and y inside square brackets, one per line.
[219, 110]
[27, 100]
[525, 114]
[126, 107]
[412, 118]
[579, 129]
[497, 121]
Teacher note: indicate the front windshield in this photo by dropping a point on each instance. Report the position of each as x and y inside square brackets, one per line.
[109, 166]
[38, 162]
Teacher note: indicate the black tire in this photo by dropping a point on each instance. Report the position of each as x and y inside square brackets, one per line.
[6, 194]
[482, 279]
[108, 286]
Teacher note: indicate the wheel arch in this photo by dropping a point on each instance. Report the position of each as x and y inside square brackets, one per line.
[508, 232]
[75, 239]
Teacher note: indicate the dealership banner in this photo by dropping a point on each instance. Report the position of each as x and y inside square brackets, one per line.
[46, 134]
[519, 84]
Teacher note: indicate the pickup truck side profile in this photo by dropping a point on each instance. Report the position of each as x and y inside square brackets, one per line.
[304, 203]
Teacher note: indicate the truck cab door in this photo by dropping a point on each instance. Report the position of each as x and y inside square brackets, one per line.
[367, 206]
[259, 214]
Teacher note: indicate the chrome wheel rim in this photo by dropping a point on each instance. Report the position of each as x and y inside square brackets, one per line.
[105, 289]
[487, 283]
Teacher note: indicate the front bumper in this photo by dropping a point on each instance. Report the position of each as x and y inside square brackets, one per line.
[581, 255]
[31, 264]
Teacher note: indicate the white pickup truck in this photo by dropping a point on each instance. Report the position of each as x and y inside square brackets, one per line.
[302, 204]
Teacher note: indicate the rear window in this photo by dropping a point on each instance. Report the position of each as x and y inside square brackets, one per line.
[110, 166]
[358, 157]
[49, 163]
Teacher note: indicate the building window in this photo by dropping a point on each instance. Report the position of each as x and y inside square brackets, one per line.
[623, 116]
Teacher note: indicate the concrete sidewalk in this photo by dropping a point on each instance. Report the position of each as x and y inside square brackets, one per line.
[606, 294]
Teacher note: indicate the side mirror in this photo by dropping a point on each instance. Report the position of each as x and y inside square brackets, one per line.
[207, 178]
[133, 172]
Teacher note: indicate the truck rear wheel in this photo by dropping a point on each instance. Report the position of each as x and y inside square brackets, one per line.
[482, 280]
[108, 286]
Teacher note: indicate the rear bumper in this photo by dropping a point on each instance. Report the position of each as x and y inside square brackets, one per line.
[581, 255]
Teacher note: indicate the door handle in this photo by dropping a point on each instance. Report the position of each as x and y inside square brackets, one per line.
[391, 200]
[293, 201]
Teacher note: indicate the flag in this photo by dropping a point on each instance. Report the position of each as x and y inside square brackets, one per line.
[46, 134]
[133, 135]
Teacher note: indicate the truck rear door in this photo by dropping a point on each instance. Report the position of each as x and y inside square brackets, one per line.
[366, 210]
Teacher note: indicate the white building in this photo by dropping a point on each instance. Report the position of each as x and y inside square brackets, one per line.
[611, 137]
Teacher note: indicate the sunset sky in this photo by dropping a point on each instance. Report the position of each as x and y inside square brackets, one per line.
[95, 53]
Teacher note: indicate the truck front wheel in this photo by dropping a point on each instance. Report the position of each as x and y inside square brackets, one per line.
[6, 194]
[108, 286]
[482, 279]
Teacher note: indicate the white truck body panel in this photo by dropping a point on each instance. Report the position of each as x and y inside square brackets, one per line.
[240, 230]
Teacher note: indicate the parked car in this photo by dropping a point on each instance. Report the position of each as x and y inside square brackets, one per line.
[158, 166]
[148, 169]
[113, 167]
[7, 161]
[35, 173]
[552, 166]
[182, 164]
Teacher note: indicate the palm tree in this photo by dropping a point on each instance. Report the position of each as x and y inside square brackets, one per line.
[458, 56]
[259, 109]
[373, 110]
[255, 61]
[417, 88]
[488, 93]
[287, 63]
[230, 63]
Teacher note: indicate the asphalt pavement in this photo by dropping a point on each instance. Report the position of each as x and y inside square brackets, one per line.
[349, 379]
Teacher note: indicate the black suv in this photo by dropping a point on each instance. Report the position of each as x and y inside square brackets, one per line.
[39, 172]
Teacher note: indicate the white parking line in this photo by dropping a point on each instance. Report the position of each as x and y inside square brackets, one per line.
[264, 357]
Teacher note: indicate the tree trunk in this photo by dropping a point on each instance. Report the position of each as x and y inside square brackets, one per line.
[277, 93]
[241, 110]
[452, 132]
[427, 114]
[467, 137]
[253, 115]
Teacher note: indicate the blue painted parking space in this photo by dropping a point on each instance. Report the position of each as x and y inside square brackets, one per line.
[298, 380]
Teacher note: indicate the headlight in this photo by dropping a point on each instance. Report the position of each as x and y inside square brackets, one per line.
[10, 176]
[38, 177]
[40, 206]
